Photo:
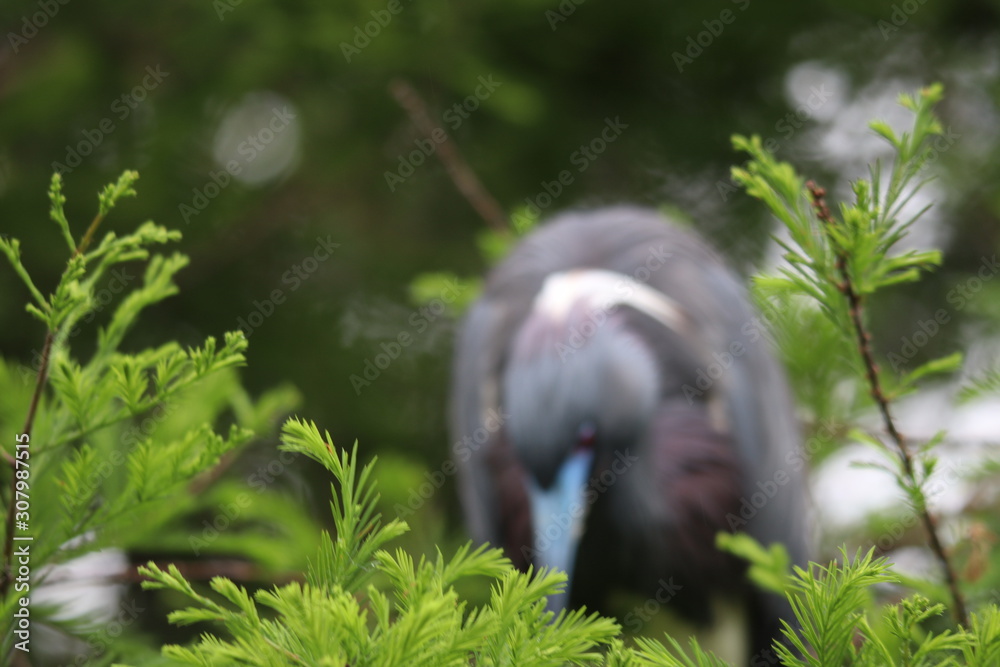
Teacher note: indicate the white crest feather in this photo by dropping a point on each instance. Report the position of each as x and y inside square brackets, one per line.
[605, 290]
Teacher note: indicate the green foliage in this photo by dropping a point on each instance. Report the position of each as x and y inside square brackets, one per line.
[673, 654]
[837, 626]
[830, 258]
[427, 287]
[987, 382]
[837, 261]
[828, 606]
[493, 246]
[852, 246]
[119, 444]
[837, 622]
[338, 617]
[868, 229]
[769, 568]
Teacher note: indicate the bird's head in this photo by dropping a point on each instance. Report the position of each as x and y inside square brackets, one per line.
[579, 387]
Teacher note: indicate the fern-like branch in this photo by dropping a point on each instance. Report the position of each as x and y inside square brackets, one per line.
[864, 343]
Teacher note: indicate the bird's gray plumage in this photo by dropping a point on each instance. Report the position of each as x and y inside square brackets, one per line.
[713, 366]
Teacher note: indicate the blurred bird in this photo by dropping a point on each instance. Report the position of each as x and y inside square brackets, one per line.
[615, 405]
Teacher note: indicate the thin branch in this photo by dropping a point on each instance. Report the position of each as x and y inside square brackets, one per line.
[864, 338]
[458, 169]
[89, 235]
[43, 374]
[29, 422]
[206, 570]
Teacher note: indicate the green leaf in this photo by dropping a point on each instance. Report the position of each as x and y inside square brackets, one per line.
[111, 193]
[12, 249]
[828, 602]
[57, 213]
[987, 382]
[882, 129]
[770, 568]
[445, 290]
[949, 364]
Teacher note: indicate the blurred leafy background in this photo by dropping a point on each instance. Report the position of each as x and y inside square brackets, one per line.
[296, 93]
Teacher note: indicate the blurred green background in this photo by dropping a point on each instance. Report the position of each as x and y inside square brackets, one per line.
[308, 242]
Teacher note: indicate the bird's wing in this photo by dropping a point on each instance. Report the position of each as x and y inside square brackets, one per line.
[474, 392]
[763, 424]
[765, 433]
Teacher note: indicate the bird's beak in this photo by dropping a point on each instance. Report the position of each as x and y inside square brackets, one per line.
[559, 514]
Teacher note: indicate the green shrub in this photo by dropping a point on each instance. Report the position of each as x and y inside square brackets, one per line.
[121, 449]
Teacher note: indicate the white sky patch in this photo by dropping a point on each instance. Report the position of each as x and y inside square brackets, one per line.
[847, 140]
[810, 80]
[845, 495]
[840, 137]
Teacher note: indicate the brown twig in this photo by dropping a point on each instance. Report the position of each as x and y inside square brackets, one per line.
[864, 340]
[458, 169]
[7, 574]
[88, 235]
[29, 422]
